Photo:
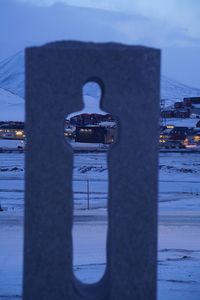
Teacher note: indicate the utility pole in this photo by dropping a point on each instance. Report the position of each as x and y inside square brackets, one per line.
[162, 108]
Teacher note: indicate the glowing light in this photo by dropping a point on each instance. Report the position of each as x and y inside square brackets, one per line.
[19, 133]
[170, 126]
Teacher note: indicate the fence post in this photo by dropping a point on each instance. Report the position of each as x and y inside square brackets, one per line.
[1, 208]
[88, 194]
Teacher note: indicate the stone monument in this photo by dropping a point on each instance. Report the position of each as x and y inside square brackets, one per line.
[129, 77]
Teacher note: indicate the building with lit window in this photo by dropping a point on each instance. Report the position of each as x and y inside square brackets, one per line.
[90, 134]
[12, 130]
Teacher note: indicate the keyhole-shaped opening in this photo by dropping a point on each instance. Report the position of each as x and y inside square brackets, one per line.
[90, 132]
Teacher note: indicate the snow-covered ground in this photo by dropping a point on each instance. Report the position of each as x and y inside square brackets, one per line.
[11, 143]
[179, 223]
[188, 122]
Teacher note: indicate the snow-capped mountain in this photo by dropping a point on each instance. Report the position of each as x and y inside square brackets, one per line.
[11, 106]
[172, 90]
[12, 74]
[12, 80]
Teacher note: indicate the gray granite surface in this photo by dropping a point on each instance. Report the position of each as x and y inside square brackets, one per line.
[129, 77]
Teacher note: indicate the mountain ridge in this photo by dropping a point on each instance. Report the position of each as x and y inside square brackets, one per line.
[12, 106]
[12, 80]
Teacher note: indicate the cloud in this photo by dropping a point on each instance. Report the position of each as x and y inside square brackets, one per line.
[183, 14]
[156, 23]
[23, 24]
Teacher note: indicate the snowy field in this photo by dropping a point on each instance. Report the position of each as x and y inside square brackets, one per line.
[179, 223]
[188, 122]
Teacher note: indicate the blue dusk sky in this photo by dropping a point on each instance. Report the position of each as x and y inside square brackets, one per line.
[172, 25]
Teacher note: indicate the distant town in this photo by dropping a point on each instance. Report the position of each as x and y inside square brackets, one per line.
[176, 136]
[101, 129]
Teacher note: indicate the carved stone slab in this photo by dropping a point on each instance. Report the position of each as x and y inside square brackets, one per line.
[130, 79]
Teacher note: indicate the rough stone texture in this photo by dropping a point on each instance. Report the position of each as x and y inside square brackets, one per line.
[130, 78]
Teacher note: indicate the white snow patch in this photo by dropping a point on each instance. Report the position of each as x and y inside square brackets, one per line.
[11, 144]
[185, 122]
